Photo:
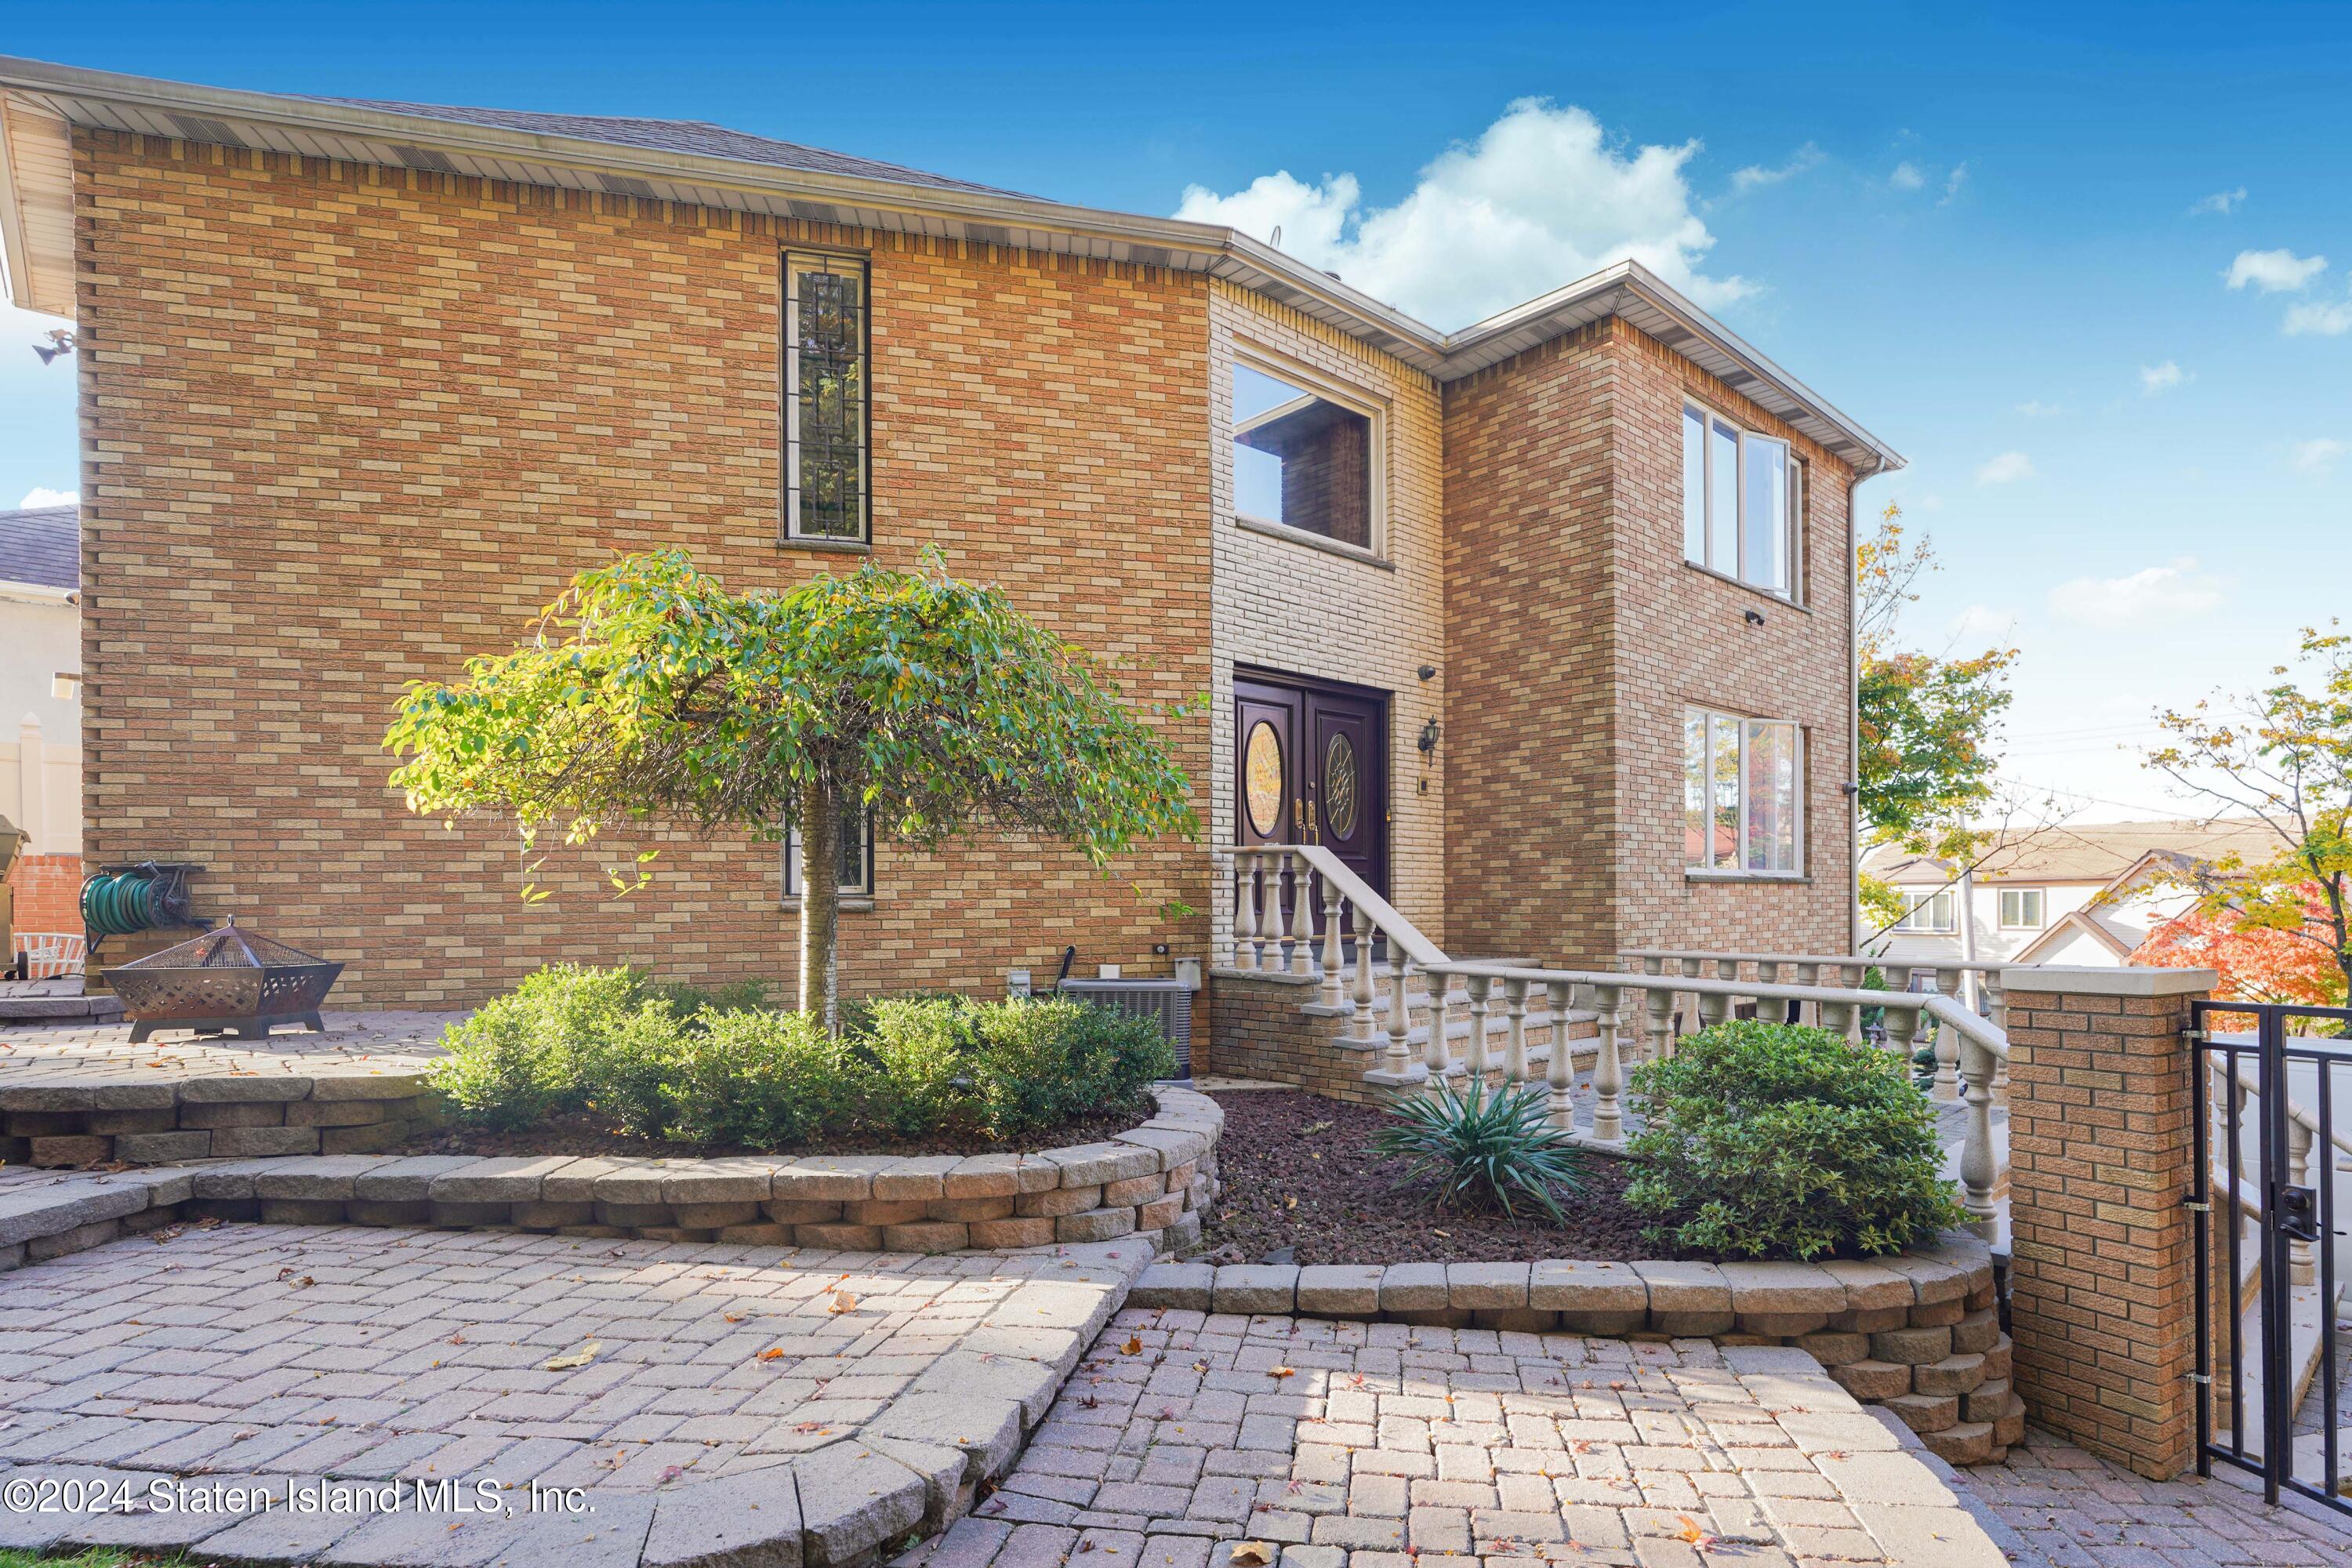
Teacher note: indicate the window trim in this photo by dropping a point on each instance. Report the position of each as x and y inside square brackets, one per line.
[1267, 362]
[1801, 845]
[860, 896]
[1915, 902]
[2041, 906]
[789, 531]
[1798, 483]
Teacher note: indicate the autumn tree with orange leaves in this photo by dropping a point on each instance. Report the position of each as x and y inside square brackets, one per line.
[2282, 754]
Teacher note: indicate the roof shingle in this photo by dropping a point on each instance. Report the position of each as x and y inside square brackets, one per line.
[696, 136]
[41, 545]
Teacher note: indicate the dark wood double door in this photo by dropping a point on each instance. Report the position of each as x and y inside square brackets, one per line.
[1311, 766]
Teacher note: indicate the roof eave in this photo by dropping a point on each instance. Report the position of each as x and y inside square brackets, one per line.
[1212, 248]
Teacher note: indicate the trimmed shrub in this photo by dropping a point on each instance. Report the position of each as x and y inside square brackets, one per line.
[610, 1041]
[1781, 1141]
[1484, 1148]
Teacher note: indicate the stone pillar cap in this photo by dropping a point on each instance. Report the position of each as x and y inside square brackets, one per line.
[2090, 981]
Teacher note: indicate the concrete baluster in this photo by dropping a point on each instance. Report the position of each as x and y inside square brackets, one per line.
[1561, 1073]
[1515, 1032]
[1474, 1050]
[1399, 1057]
[1245, 863]
[1332, 984]
[1977, 1170]
[1359, 986]
[1608, 1068]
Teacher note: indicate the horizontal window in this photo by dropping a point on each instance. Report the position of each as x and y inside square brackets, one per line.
[2021, 908]
[1742, 494]
[856, 855]
[1934, 912]
[1743, 795]
[1301, 460]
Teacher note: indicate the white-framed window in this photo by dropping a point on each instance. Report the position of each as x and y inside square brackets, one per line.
[856, 855]
[828, 466]
[1307, 453]
[1932, 912]
[1743, 495]
[1743, 795]
[2021, 908]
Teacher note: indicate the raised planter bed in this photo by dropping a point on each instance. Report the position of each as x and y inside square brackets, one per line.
[1918, 1332]
[1150, 1181]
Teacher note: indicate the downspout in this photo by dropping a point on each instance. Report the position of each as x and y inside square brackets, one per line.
[1853, 719]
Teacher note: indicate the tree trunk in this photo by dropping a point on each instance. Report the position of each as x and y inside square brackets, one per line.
[820, 828]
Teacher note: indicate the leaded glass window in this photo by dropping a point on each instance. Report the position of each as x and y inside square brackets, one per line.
[826, 461]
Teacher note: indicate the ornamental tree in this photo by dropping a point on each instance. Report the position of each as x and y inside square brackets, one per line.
[2282, 755]
[2256, 962]
[650, 692]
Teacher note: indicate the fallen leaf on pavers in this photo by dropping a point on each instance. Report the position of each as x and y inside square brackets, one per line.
[1134, 1346]
[805, 1427]
[1282, 1371]
[1691, 1532]
[772, 1353]
[576, 1360]
[734, 1317]
[843, 1301]
[1252, 1554]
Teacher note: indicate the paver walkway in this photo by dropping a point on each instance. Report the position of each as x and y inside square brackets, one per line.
[77, 1051]
[1376, 1444]
[705, 1396]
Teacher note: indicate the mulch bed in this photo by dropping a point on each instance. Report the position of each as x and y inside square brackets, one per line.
[1301, 1182]
[583, 1134]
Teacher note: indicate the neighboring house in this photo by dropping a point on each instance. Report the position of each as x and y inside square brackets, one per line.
[2071, 895]
[40, 712]
[1543, 625]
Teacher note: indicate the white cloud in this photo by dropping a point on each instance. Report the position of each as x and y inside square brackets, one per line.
[2318, 320]
[2315, 457]
[2221, 202]
[2156, 378]
[1540, 199]
[2144, 597]
[41, 495]
[2274, 271]
[1907, 177]
[2035, 408]
[1758, 176]
[2007, 468]
[1953, 182]
[1982, 621]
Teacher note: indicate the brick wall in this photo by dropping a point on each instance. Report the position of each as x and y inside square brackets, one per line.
[1578, 635]
[49, 893]
[1289, 605]
[2101, 1157]
[346, 426]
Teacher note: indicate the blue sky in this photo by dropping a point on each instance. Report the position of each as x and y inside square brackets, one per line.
[2007, 241]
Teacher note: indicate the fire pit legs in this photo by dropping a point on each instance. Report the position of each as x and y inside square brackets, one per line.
[236, 1029]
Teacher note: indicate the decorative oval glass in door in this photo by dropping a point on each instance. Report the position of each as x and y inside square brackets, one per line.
[1342, 790]
[1262, 778]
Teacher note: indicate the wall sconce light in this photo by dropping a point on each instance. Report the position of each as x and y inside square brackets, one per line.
[1753, 617]
[61, 342]
[65, 685]
[1426, 670]
[1428, 741]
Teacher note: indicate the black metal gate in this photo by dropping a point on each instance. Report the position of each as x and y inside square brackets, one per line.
[2271, 1241]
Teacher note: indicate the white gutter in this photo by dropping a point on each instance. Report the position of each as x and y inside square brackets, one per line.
[38, 593]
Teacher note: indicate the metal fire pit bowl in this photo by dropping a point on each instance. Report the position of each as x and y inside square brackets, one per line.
[225, 982]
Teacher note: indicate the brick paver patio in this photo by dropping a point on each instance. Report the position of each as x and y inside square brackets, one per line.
[76, 1052]
[1372, 1445]
[675, 1382]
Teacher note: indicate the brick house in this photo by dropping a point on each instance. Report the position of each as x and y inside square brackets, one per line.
[1543, 625]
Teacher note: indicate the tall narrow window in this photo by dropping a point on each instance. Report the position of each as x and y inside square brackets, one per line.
[1743, 795]
[826, 461]
[1742, 496]
[856, 855]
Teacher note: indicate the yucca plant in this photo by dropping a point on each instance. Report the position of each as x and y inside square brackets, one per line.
[1484, 1149]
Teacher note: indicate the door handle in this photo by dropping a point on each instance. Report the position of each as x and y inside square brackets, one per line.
[1307, 818]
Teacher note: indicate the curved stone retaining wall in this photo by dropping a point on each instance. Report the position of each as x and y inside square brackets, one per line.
[58, 1125]
[1918, 1332]
[1150, 1181]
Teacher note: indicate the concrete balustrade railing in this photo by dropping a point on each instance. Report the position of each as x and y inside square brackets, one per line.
[1277, 891]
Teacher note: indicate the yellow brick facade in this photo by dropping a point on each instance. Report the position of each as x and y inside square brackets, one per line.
[345, 426]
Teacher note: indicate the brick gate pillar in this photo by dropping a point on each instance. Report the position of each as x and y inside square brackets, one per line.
[2100, 1158]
